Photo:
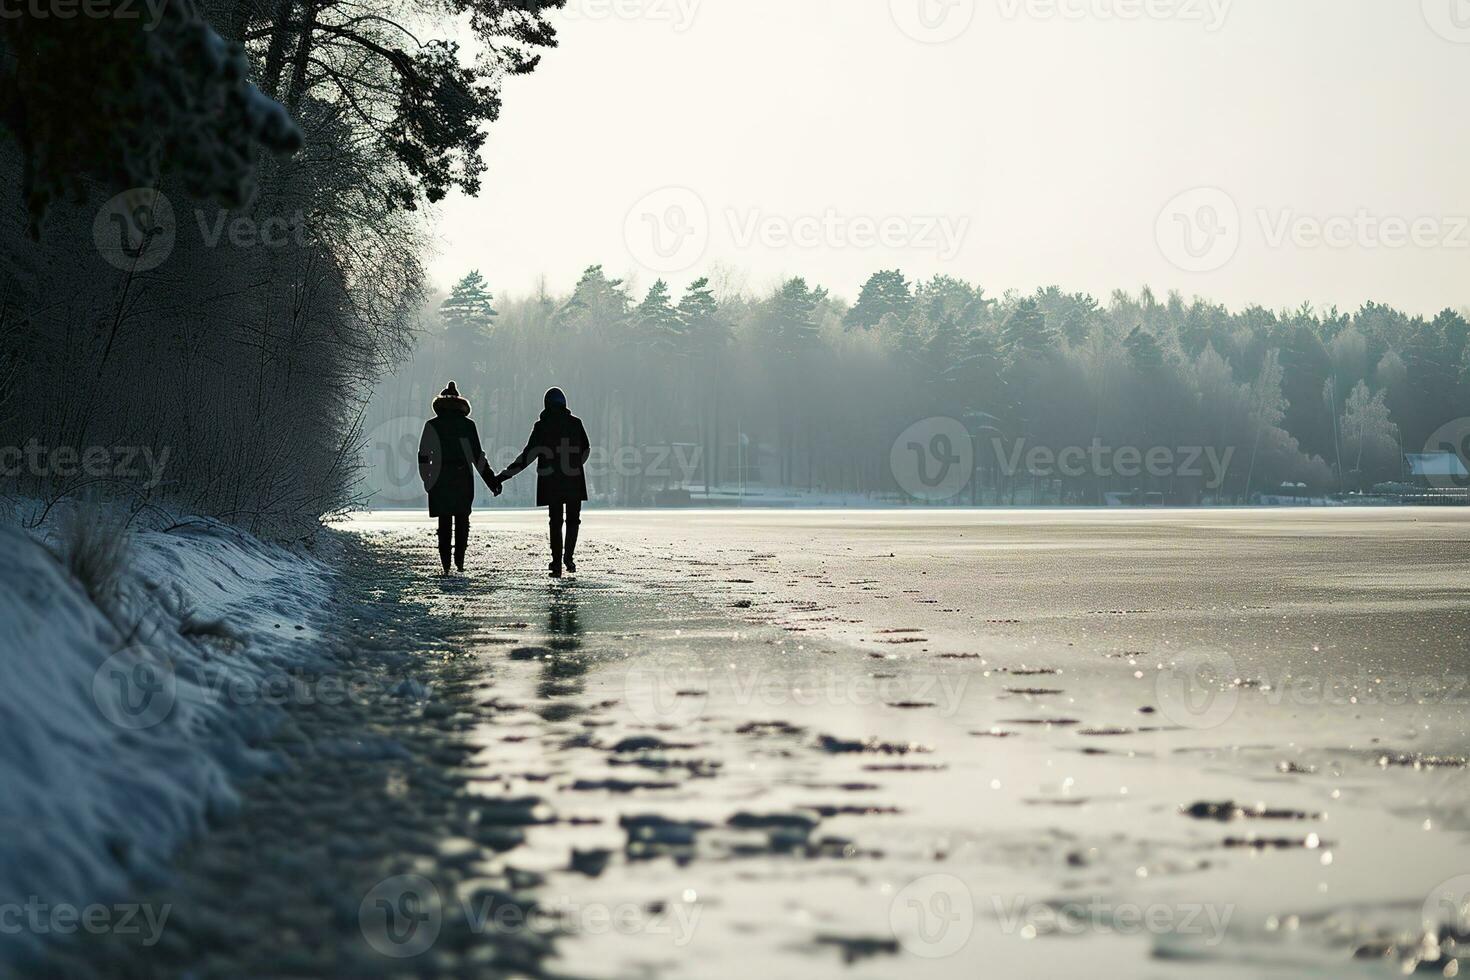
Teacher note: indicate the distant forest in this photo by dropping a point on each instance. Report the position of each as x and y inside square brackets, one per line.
[798, 389]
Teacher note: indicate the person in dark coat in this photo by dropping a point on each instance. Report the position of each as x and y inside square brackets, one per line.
[559, 448]
[449, 456]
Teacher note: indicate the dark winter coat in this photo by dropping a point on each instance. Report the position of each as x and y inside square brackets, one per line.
[559, 448]
[449, 457]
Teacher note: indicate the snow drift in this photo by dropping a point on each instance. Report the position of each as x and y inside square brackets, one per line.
[127, 715]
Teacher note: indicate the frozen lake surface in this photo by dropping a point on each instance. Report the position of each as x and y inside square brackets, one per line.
[990, 743]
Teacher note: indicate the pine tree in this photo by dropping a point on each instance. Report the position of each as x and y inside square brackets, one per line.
[884, 292]
[708, 335]
[700, 311]
[791, 317]
[469, 304]
[1144, 352]
[1026, 333]
[659, 324]
[597, 303]
[469, 317]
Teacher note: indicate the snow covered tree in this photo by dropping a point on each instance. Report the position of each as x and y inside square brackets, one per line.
[1370, 439]
[469, 304]
[709, 335]
[659, 325]
[120, 99]
[791, 317]
[1025, 333]
[884, 293]
[469, 316]
[1144, 352]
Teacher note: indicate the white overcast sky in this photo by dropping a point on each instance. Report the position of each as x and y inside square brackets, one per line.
[1210, 146]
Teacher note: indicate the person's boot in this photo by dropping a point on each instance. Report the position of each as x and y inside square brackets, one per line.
[461, 542]
[570, 547]
[444, 550]
[555, 549]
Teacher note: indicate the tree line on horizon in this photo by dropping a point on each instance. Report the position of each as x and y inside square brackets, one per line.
[798, 389]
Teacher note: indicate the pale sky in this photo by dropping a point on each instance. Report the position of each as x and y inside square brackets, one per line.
[1270, 151]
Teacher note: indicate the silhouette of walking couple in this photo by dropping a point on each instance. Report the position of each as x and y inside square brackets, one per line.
[450, 454]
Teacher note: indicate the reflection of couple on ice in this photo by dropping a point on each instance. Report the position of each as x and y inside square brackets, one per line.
[450, 455]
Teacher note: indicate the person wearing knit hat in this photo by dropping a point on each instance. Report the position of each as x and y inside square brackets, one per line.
[449, 456]
[559, 447]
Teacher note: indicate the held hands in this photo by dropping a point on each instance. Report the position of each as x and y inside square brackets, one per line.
[496, 483]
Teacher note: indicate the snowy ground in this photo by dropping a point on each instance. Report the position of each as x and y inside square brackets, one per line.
[129, 710]
[1211, 744]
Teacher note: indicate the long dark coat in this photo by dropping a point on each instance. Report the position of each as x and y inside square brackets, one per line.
[449, 457]
[559, 448]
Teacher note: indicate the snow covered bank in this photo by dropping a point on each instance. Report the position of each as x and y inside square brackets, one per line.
[130, 701]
